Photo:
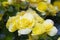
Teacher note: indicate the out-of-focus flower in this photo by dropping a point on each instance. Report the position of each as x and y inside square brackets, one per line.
[38, 29]
[20, 22]
[57, 4]
[42, 7]
[5, 3]
[48, 24]
[53, 31]
[10, 1]
[52, 9]
[58, 38]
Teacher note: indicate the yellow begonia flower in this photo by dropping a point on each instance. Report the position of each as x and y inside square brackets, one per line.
[58, 38]
[48, 24]
[5, 3]
[42, 7]
[38, 29]
[57, 4]
[36, 16]
[27, 21]
[53, 31]
[20, 22]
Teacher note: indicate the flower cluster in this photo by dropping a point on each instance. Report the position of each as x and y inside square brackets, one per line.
[29, 21]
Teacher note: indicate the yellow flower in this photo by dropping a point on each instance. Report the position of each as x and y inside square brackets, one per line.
[20, 21]
[5, 3]
[58, 38]
[57, 3]
[48, 24]
[42, 7]
[38, 29]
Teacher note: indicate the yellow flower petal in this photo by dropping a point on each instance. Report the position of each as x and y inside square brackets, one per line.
[12, 27]
[48, 24]
[36, 16]
[27, 21]
[42, 7]
[38, 29]
[12, 23]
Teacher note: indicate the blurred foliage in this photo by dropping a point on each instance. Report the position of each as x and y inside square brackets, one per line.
[2, 0]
